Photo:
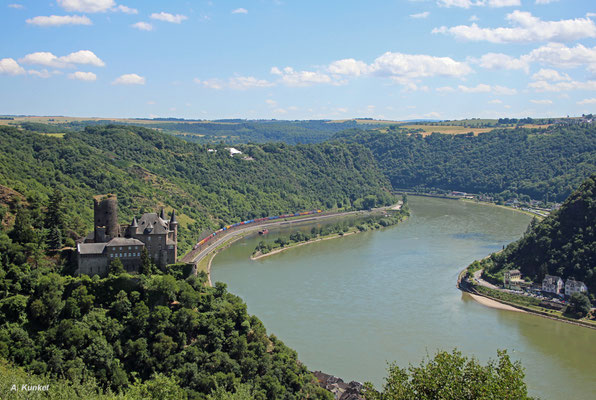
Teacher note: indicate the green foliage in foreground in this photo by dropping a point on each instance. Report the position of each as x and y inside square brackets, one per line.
[544, 164]
[148, 169]
[579, 305]
[451, 376]
[563, 244]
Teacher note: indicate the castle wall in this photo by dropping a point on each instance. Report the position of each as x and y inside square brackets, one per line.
[93, 264]
[105, 211]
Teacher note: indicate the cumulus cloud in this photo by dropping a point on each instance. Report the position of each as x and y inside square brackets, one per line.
[550, 75]
[126, 10]
[83, 57]
[247, 82]
[412, 66]
[545, 86]
[129, 79]
[291, 77]
[90, 6]
[143, 26]
[58, 20]
[9, 66]
[424, 14]
[478, 3]
[502, 61]
[496, 101]
[167, 17]
[543, 102]
[587, 101]
[210, 83]
[83, 76]
[526, 29]
[348, 66]
[44, 73]
[240, 11]
[480, 88]
[559, 55]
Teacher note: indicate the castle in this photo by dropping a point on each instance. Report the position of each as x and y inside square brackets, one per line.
[109, 240]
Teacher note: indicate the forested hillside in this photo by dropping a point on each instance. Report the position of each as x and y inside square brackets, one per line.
[160, 335]
[544, 164]
[564, 244]
[147, 169]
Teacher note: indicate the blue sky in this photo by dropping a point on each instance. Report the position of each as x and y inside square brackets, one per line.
[302, 59]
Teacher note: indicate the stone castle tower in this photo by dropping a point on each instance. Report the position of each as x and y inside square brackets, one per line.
[105, 218]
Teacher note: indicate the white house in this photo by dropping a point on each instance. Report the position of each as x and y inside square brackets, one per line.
[511, 279]
[573, 286]
[552, 284]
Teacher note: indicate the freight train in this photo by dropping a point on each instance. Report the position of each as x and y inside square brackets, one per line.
[252, 221]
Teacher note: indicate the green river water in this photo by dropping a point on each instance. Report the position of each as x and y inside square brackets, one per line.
[350, 305]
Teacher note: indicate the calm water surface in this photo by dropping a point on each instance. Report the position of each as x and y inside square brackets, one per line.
[350, 305]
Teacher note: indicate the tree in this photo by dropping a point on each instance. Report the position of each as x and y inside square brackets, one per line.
[453, 376]
[579, 305]
[116, 267]
[147, 266]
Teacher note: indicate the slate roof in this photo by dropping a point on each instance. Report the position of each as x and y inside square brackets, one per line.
[120, 241]
[91, 248]
[159, 225]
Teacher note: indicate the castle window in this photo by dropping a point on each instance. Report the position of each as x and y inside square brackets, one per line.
[120, 248]
[129, 248]
[112, 255]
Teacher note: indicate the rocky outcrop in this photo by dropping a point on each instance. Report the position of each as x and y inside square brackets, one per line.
[340, 389]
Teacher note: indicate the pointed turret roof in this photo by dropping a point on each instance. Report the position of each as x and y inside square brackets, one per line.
[162, 214]
[173, 218]
[134, 224]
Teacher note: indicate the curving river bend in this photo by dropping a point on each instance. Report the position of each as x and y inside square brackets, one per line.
[350, 305]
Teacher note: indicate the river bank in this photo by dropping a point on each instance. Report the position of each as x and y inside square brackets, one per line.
[259, 255]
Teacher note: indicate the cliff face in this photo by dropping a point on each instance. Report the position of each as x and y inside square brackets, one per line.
[563, 244]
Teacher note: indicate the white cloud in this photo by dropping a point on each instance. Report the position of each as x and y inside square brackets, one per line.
[9, 66]
[480, 88]
[545, 1]
[143, 26]
[543, 102]
[167, 17]
[240, 11]
[246, 82]
[474, 18]
[550, 75]
[83, 76]
[496, 101]
[90, 6]
[587, 101]
[502, 61]
[478, 3]
[291, 77]
[126, 10]
[271, 103]
[424, 14]
[15, 5]
[129, 79]
[58, 20]
[561, 56]
[412, 66]
[210, 83]
[544, 86]
[86, 57]
[348, 66]
[526, 29]
[445, 89]
[44, 73]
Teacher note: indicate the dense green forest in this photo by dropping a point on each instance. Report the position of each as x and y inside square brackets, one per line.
[544, 164]
[127, 333]
[148, 169]
[563, 244]
[226, 131]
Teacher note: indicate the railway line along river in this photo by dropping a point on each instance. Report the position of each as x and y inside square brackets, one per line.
[350, 305]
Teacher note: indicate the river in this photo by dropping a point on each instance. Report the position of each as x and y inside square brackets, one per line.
[350, 305]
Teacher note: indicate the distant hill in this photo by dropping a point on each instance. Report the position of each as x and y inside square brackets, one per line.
[148, 169]
[542, 163]
[563, 244]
